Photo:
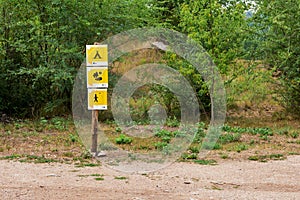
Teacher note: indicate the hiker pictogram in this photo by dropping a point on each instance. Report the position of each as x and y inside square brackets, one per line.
[97, 56]
[95, 98]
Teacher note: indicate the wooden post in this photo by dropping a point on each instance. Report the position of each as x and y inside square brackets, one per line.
[94, 131]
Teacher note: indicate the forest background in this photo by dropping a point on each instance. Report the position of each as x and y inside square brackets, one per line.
[255, 45]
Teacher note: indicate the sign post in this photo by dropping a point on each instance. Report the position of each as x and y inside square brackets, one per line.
[97, 84]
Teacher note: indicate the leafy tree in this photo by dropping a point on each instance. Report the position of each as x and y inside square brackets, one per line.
[277, 25]
[219, 26]
[42, 44]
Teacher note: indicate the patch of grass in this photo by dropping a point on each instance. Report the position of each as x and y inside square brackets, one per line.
[294, 135]
[118, 129]
[283, 132]
[254, 131]
[255, 158]
[252, 142]
[37, 159]
[121, 178]
[224, 156]
[83, 175]
[160, 145]
[194, 149]
[199, 135]
[123, 139]
[172, 122]
[189, 156]
[265, 158]
[229, 137]
[163, 133]
[11, 157]
[240, 147]
[96, 175]
[264, 137]
[99, 178]
[87, 165]
[214, 187]
[294, 153]
[211, 145]
[205, 162]
[73, 137]
[276, 157]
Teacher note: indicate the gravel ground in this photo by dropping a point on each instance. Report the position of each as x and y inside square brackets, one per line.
[227, 180]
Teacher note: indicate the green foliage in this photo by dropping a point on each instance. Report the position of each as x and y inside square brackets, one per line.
[205, 162]
[228, 138]
[265, 158]
[187, 156]
[42, 46]
[294, 134]
[217, 26]
[160, 145]
[276, 25]
[121, 178]
[254, 131]
[163, 133]
[211, 145]
[240, 147]
[123, 139]
[172, 122]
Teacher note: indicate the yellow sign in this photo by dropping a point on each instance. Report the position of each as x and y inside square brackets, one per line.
[96, 55]
[97, 77]
[97, 99]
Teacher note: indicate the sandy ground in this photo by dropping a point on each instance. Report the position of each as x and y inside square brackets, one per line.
[227, 180]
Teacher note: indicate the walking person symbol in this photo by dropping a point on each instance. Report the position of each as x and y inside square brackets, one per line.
[95, 98]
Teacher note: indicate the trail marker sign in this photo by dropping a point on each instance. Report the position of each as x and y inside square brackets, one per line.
[97, 99]
[96, 55]
[97, 77]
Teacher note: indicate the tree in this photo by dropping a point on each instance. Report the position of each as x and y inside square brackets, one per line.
[42, 44]
[219, 26]
[277, 25]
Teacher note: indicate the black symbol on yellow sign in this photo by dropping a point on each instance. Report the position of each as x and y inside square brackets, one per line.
[95, 98]
[97, 56]
[97, 76]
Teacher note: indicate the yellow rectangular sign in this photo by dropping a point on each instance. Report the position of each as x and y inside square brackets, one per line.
[97, 99]
[97, 77]
[96, 55]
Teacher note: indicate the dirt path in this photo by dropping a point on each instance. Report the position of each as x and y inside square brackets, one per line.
[227, 180]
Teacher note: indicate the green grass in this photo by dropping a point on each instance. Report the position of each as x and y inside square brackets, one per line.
[99, 178]
[88, 165]
[96, 175]
[121, 178]
[229, 137]
[123, 139]
[29, 158]
[189, 156]
[205, 162]
[265, 158]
